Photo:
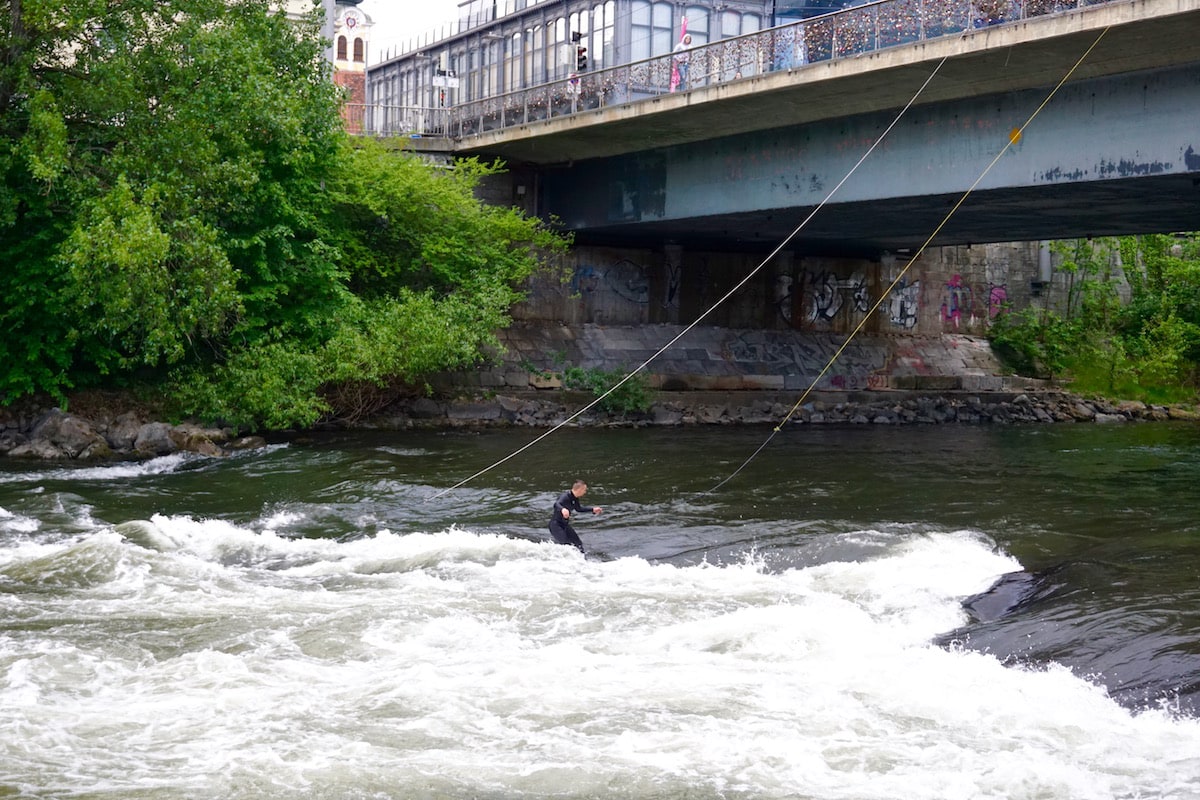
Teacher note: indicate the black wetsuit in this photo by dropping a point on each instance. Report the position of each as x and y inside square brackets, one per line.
[560, 528]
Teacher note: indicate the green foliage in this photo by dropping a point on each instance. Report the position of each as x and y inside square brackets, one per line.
[169, 156]
[267, 384]
[400, 227]
[379, 344]
[632, 396]
[1033, 341]
[1148, 348]
[393, 324]
[144, 285]
[180, 203]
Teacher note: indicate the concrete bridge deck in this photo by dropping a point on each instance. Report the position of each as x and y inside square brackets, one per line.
[737, 165]
[1035, 53]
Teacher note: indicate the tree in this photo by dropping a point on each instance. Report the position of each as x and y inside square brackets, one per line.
[161, 183]
[181, 205]
[1148, 348]
[430, 275]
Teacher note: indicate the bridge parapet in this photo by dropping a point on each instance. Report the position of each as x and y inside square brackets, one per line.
[846, 33]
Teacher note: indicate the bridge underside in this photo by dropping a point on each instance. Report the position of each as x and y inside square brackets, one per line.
[739, 166]
[1106, 156]
[1104, 208]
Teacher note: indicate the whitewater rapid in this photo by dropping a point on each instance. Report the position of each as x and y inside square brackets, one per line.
[182, 657]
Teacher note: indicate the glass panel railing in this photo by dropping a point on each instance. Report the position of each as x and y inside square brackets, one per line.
[839, 34]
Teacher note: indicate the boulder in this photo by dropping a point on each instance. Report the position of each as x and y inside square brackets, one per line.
[154, 439]
[194, 439]
[10, 440]
[667, 416]
[41, 449]
[123, 431]
[72, 435]
[1081, 411]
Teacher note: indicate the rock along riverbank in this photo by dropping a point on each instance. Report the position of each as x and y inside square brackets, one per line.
[98, 432]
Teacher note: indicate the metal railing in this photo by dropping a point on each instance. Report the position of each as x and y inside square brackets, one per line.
[370, 119]
[839, 34]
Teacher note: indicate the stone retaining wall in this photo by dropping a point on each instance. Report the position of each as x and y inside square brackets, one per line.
[728, 359]
[708, 376]
[541, 409]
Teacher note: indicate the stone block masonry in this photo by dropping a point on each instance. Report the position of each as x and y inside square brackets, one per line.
[722, 359]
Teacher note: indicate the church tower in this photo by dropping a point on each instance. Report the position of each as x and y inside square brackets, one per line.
[351, 35]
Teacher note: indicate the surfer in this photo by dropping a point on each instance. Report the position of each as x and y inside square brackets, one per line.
[560, 520]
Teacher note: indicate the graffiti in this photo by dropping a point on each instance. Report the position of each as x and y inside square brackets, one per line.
[628, 281]
[625, 279]
[957, 299]
[959, 303]
[823, 294]
[861, 293]
[585, 280]
[674, 274]
[802, 356]
[826, 299]
[997, 299]
[830, 293]
[855, 382]
[904, 303]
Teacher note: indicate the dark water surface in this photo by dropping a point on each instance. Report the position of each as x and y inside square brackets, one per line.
[862, 595]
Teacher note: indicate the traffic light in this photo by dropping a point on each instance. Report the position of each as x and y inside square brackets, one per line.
[581, 61]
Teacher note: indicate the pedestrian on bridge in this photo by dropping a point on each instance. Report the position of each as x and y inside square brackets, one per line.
[680, 61]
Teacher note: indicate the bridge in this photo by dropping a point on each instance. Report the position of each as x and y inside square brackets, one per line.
[770, 123]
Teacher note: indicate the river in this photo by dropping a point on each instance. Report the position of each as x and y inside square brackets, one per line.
[862, 612]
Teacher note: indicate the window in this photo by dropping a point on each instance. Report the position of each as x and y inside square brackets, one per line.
[341, 48]
[491, 70]
[537, 73]
[652, 29]
[359, 51]
[697, 24]
[665, 37]
[556, 61]
[735, 24]
[512, 63]
[604, 54]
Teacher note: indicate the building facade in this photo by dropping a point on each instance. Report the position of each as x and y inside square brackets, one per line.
[351, 36]
[508, 45]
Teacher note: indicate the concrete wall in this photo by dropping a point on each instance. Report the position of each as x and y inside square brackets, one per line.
[711, 358]
[788, 329]
[947, 290]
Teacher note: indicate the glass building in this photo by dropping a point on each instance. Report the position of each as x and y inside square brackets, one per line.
[501, 46]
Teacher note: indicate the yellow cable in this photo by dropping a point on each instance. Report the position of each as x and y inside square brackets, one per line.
[1014, 136]
[715, 305]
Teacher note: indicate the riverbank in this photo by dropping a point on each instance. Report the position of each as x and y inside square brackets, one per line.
[109, 426]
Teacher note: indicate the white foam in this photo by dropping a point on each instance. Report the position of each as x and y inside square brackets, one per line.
[17, 523]
[242, 665]
[107, 472]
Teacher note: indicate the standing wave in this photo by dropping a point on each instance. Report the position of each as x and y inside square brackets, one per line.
[210, 660]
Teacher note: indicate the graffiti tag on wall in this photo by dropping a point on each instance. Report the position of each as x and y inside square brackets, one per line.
[997, 300]
[904, 304]
[854, 368]
[959, 304]
[823, 296]
[956, 302]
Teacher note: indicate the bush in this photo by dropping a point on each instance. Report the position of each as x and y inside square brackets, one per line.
[1148, 349]
[632, 396]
